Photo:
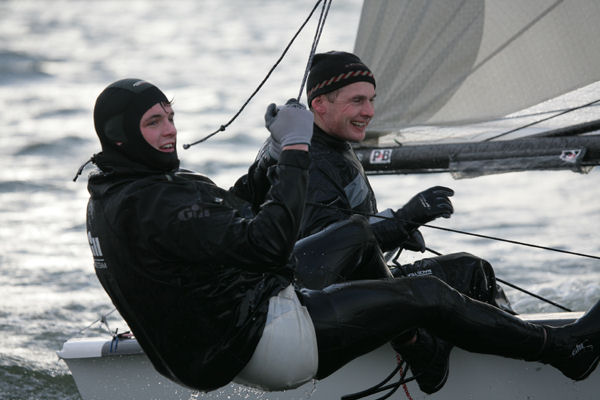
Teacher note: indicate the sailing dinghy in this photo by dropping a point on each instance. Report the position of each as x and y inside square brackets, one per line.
[117, 369]
[465, 87]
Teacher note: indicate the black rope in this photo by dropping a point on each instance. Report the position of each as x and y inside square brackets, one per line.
[80, 170]
[223, 127]
[381, 386]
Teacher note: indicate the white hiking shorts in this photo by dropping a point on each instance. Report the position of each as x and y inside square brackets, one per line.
[286, 355]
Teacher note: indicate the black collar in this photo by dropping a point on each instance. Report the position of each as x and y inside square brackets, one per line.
[320, 136]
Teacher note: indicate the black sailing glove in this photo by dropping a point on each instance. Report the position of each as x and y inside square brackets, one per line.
[288, 124]
[425, 207]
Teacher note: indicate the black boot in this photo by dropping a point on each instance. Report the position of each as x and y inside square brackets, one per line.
[428, 359]
[574, 349]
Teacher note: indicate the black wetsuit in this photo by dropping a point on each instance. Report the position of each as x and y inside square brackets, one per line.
[189, 274]
[338, 188]
[192, 277]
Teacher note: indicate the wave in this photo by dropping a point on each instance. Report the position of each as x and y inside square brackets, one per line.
[25, 186]
[58, 147]
[63, 112]
[20, 66]
[24, 382]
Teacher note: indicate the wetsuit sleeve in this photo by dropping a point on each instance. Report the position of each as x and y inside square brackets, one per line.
[389, 233]
[326, 202]
[253, 186]
[204, 230]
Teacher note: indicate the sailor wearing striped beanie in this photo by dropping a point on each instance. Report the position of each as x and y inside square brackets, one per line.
[333, 70]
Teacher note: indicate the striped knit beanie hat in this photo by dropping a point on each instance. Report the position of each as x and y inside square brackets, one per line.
[333, 70]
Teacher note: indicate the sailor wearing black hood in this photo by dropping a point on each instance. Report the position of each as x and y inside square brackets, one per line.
[208, 293]
[182, 266]
[117, 116]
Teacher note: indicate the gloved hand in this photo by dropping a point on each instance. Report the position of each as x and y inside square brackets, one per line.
[271, 148]
[425, 207]
[415, 242]
[289, 124]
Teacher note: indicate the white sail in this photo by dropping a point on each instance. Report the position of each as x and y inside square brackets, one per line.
[440, 62]
[455, 76]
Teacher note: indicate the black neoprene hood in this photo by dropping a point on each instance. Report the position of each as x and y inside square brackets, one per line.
[117, 114]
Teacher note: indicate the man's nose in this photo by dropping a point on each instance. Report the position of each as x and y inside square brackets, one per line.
[368, 109]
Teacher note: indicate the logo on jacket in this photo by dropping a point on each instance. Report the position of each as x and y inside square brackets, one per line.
[96, 251]
[423, 272]
[194, 211]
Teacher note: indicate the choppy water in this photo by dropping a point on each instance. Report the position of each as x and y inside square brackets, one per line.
[209, 55]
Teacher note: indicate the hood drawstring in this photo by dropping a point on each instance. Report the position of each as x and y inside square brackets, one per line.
[80, 170]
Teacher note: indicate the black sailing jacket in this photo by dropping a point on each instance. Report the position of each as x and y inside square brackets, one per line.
[338, 187]
[191, 276]
[337, 180]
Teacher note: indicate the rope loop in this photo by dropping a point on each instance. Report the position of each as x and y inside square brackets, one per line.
[319, 30]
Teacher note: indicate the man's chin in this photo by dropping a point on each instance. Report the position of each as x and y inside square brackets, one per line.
[357, 137]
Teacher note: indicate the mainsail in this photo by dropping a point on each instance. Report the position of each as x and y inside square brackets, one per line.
[462, 75]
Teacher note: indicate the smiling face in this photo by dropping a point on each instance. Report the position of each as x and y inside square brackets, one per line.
[346, 114]
[158, 127]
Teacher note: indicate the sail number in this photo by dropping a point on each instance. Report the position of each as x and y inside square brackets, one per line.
[381, 156]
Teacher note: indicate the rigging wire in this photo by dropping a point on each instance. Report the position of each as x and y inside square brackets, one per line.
[318, 32]
[477, 235]
[103, 323]
[512, 285]
[223, 127]
[514, 242]
[348, 211]
[542, 120]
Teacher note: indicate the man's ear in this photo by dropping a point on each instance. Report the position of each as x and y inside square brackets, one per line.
[317, 104]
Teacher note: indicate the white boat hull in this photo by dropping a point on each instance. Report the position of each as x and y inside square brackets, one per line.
[128, 374]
